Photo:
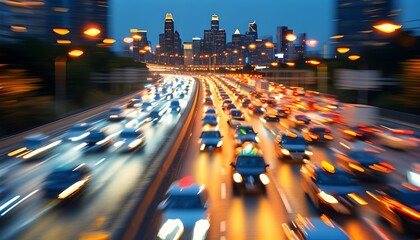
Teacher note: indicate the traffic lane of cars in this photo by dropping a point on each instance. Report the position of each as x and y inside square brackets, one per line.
[51, 163]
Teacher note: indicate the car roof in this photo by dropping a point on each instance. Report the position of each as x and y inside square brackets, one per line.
[322, 228]
[192, 189]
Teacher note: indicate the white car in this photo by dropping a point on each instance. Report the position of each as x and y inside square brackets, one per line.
[185, 212]
[398, 139]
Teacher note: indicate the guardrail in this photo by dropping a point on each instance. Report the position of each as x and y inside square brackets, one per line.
[134, 216]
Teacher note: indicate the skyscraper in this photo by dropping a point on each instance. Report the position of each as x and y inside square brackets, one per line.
[214, 42]
[355, 19]
[170, 49]
[141, 46]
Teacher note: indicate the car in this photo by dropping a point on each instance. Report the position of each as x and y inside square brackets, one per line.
[245, 133]
[363, 161]
[399, 205]
[256, 109]
[208, 101]
[158, 112]
[210, 110]
[329, 117]
[225, 103]
[292, 146]
[116, 113]
[185, 211]
[300, 120]
[249, 170]
[317, 134]
[229, 107]
[245, 103]
[97, 140]
[78, 132]
[400, 139]
[283, 112]
[237, 114]
[66, 182]
[134, 103]
[359, 132]
[331, 188]
[313, 228]
[175, 106]
[269, 117]
[210, 139]
[146, 106]
[210, 119]
[34, 146]
[129, 139]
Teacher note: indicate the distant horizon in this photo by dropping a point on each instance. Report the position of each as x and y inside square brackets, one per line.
[191, 18]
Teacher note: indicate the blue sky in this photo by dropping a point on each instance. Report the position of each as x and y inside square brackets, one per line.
[313, 17]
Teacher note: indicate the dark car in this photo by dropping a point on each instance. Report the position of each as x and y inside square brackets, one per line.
[66, 182]
[256, 110]
[359, 132]
[116, 113]
[134, 103]
[237, 114]
[97, 140]
[399, 205]
[290, 145]
[313, 228]
[331, 188]
[129, 139]
[245, 103]
[316, 134]
[34, 147]
[210, 119]
[245, 133]
[210, 139]
[249, 170]
[78, 132]
[283, 112]
[175, 106]
[363, 161]
[301, 120]
[269, 117]
[230, 106]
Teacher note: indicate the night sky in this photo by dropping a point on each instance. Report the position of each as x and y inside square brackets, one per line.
[313, 17]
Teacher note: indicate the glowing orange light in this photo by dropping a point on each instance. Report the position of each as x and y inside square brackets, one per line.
[61, 31]
[343, 49]
[75, 53]
[136, 37]
[92, 32]
[354, 57]
[252, 46]
[387, 27]
[313, 62]
[337, 36]
[60, 41]
[328, 166]
[290, 64]
[108, 41]
[291, 37]
[311, 42]
[128, 40]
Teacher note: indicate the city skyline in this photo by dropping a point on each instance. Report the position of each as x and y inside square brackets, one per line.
[193, 17]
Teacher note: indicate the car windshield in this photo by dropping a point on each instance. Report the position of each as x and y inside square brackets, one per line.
[337, 178]
[174, 103]
[211, 110]
[210, 134]
[129, 134]
[245, 131]
[96, 136]
[294, 140]
[185, 202]
[236, 113]
[250, 162]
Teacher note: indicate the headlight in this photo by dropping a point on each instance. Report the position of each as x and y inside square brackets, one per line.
[257, 139]
[202, 147]
[327, 198]
[285, 151]
[201, 228]
[237, 178]
[219, 144]
[264, 179]
[309, 153]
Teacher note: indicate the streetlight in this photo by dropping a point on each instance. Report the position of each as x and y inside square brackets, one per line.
[354, 57]
[387, 27]
[322, 74]
[291, 37]
[343, 49]
[92, 32]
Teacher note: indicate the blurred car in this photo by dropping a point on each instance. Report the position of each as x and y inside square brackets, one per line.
[225, 103]
[313, 228]
[317, 134]
[210, 119]
[300, 120]
[35, 146]
[245, 103]
[283, 112]
[134, 103]
[270, 117]
[66, 182]
[174, 106]
[291, 145]
[116, 113]
[329, 117]
[146, 106]
[233, 123]
[185, 211]
[208, 101]
[129, 139]
[331, 188]
[245, 133]
[237, 114]
[210, 139]
[78, 132]
[229, 107]
[256, 109]
[359, 132]
[210, 110]
[399, 205]
[97, 140]
[363, 161]
[398, 139]
[249, 170]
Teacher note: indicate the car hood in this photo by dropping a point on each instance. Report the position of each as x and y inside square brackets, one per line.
[295, 147]
[250, 171]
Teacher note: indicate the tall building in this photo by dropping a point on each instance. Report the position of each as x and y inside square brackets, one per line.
[214, 42]
[170, 50]
[252, 30]
[141, 47]
[355, 19]
[196, 49]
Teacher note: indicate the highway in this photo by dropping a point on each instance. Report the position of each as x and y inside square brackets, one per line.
[249, 215]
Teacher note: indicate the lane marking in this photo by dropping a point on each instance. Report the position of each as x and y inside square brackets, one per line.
[223, 191]
[223, 226]
[100, 161]
[223, 171]
[376, 229]
[284, 199]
